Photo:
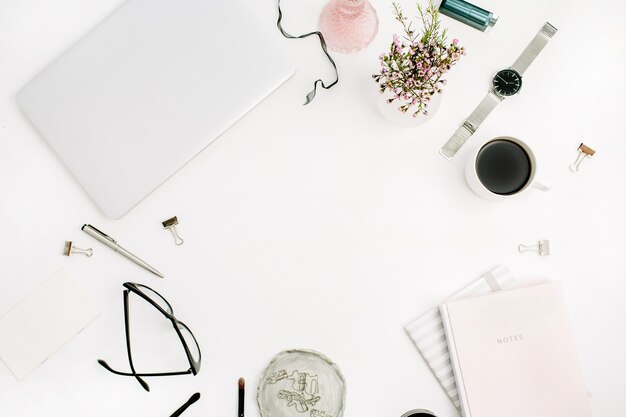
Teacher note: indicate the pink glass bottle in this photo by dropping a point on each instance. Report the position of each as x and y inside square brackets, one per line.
[348, 25]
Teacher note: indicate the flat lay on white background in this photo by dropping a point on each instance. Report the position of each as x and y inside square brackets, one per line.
[325, 226]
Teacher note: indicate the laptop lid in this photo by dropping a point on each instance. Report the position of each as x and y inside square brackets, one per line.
[148, 89]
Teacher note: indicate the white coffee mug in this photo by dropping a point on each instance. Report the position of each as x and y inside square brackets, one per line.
[471, 175]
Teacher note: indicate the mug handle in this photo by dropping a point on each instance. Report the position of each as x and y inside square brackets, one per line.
[542, 185]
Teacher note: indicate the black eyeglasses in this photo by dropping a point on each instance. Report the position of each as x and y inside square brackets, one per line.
[190, 344]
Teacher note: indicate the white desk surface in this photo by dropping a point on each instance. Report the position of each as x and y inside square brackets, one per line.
[324, 226]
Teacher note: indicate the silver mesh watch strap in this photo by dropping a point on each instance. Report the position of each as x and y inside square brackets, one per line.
[470, 125]
[532, 50]
[485, 107]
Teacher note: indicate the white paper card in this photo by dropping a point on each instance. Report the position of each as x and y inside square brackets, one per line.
[43, 322]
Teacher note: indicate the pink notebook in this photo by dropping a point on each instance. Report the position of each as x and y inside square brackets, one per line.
[513, 354]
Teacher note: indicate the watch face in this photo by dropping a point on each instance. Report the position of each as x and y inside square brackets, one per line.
[507, 82]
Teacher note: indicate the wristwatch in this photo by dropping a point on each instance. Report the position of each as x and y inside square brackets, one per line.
[505, 83]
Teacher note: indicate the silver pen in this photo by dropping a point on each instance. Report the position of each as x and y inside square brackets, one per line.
[110, 242]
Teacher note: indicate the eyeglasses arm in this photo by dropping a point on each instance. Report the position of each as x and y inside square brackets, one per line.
[195, 397]
[108, 368]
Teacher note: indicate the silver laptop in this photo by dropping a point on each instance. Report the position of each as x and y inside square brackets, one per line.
[149, 88]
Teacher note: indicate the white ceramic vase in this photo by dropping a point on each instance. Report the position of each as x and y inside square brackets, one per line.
[391, 113]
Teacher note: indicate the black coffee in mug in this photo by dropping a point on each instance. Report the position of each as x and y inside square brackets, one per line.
[503, 167]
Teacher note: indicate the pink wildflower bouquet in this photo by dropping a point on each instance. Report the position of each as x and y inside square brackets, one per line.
[413, 68]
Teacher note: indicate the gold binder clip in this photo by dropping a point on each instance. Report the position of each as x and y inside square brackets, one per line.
[70, 249]
[584, 151]
[171, 224]
[542, 248]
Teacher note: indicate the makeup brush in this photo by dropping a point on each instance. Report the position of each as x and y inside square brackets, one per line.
[242, 395]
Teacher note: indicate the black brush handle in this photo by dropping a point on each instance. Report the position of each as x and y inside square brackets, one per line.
[241, 401]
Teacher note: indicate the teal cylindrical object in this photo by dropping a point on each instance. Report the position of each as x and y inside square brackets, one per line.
[468, 13]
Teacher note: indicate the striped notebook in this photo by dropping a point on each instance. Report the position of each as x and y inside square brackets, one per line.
[428, 335]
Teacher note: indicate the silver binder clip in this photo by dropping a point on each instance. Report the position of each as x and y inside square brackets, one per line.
[171, 224]
[584, 151]
[542, 248]
[70, 249]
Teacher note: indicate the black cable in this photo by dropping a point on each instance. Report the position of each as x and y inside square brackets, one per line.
[311, 95]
